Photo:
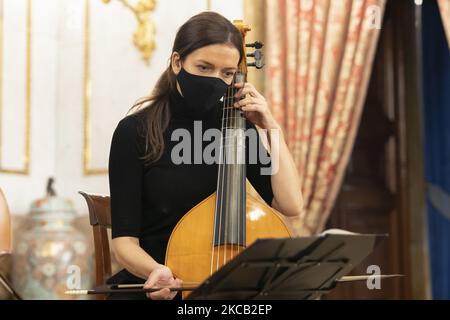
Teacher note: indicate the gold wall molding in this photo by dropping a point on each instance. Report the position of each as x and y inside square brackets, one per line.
[26, 159]
[144, 36]
[87, 168]
[143, 39]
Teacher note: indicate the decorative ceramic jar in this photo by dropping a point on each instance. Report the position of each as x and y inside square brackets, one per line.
[50, 256]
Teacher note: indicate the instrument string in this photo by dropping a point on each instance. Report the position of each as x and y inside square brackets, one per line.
[229, 161]
[233, 212]
[228, 164]
[239, 167]
[219, 190]
[225, 177]
[237, 125]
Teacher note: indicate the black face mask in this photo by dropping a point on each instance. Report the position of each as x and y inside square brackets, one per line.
[201, 93]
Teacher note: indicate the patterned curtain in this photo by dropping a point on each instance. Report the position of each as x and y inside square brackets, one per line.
[444, 8]
[319, 58]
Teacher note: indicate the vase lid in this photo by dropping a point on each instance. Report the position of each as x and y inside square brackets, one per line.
[52, 203]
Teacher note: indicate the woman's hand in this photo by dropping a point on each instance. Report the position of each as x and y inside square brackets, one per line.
[162, 277]
[255, 106]
[285, 178]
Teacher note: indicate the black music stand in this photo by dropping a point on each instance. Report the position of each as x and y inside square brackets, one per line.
[287, 268]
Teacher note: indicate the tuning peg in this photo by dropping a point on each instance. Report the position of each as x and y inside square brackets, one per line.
[258, 64]
[257, 54]
[256, 45]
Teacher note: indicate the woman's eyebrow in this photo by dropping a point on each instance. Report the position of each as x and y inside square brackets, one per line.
[205, 62]
[212, 65]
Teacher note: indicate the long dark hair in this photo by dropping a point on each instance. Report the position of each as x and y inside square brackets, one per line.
[201, 30]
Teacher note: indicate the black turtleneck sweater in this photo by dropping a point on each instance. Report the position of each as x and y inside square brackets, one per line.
[147, 201]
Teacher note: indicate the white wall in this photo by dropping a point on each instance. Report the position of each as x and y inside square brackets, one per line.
[119, 77]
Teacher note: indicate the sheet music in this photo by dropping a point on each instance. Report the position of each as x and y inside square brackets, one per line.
[337, 231]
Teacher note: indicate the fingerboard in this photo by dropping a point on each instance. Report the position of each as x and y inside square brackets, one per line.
[230, 210]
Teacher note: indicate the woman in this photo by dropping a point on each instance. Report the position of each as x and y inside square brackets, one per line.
[149, 192]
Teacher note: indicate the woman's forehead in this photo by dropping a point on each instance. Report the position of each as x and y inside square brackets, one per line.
[219, 55]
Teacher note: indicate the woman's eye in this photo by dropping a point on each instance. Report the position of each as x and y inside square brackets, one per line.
[203, 68]
[229, 74]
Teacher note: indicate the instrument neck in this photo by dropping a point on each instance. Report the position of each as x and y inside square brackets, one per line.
[231, 190]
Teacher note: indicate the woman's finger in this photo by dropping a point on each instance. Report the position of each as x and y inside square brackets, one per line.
[238, 94]
[150, 281]
[160, 294]
[250, 89]
[251, 107]
[243, 92]
[154, 280]
[245, 101]
[247, 89]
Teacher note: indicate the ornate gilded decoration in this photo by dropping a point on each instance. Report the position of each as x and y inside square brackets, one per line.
[144, 36]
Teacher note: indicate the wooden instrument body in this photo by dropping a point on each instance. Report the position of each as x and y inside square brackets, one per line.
[189, 253]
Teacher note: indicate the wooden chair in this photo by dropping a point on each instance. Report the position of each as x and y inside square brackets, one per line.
[5, 226]
[6, 289]
[100, 219]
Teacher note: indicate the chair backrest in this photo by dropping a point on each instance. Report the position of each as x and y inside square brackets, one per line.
[100, 219]
[6, 289]
[5, 226]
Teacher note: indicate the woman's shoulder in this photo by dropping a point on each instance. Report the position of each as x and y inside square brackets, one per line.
[131, 126]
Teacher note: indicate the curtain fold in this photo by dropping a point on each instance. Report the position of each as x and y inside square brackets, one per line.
[444, 8]
[436, 102]
[319, 58]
